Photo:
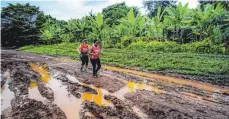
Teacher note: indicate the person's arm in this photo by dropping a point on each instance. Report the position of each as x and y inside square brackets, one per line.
[90, 51]
[79, 49]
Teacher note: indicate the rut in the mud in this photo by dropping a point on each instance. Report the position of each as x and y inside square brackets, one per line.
[57, 89]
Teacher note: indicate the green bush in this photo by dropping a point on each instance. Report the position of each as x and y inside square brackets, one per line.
[155, 46]
[205, 46]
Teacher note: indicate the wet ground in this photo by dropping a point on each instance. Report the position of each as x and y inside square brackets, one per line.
[39, 86]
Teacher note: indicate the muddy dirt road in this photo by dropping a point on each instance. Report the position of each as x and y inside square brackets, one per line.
[44, 87]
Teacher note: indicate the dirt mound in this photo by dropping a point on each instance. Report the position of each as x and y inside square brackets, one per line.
[120, 110]
[31, 109]
[75, 88]
[20, 76]
[45, 91]
[110, 84]
[165, 106]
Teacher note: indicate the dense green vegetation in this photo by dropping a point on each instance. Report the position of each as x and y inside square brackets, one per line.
[182, 63]
[203, 29]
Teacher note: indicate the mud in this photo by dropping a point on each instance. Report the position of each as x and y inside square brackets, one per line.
[75, 88]
[39, 86]
[110, 84]
[171, 107]
[45, 91]
[29, 108]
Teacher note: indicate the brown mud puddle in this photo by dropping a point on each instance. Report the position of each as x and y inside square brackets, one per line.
[6, 97]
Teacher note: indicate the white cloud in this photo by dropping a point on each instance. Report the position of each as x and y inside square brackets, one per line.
[191, 3]
[65, 10]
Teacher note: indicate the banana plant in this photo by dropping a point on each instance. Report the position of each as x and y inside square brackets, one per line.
[176, 16]
[134, 25]
[47, 35]
[48, 31]
[79, 27]
[158, 24]
[204, 19]
[97, 26]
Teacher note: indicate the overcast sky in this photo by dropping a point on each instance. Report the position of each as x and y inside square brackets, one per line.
[67, 9]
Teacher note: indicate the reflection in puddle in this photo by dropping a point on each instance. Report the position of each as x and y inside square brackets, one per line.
[41, 70]
[89, 114]
[6, 96]
[135, 86]
[139, 112]
[97, 98]
[33, 84]
[66, 101]
[35, 94]
[198, 85]
[120, 93]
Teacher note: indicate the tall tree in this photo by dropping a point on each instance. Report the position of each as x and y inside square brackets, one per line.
[225, 3]
[117, 11]
[21, 24]
[153, 5]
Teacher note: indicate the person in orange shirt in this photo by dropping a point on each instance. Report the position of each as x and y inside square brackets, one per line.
[83, 52]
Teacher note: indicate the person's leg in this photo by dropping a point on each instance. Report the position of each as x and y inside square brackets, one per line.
[86, 62]
[93, 62]
[98, 65]
[83, 62]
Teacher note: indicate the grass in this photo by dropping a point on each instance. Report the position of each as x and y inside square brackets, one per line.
[180, 63]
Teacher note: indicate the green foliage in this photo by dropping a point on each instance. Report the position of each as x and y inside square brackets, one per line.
[152, 6]
[182, 63]
[20, 24]
[117, 11]
[155, 46]
[120, 26]
[205, 46]
[66, 37]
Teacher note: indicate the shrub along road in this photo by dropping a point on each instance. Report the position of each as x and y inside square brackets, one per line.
[205, 67]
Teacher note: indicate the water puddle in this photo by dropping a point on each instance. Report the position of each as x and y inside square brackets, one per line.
[139, 112]
[41, 70]
[6, 96]
[198, 85]
[35, 94]
[120, 93]
[89, 114]
[66, 101]
[97, 98]
[133, 86]
[73, 79]
[62, 98]
[70, 104]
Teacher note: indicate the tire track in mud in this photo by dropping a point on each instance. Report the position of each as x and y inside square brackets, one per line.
[21, 105]
[198, 85]
[102, 97]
